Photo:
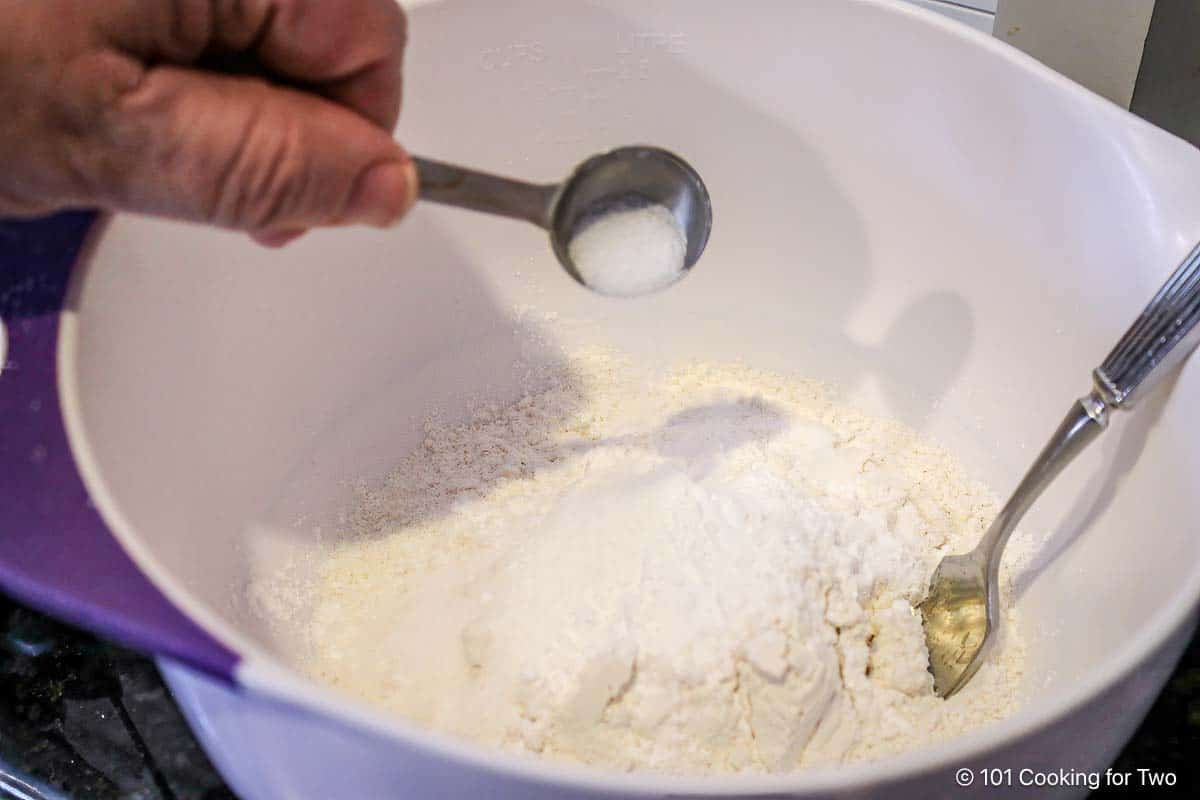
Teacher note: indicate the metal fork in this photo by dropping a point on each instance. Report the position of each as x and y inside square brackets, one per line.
[962, 610]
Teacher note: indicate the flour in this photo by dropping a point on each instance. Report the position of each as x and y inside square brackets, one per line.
[630, 251]
[710, 571]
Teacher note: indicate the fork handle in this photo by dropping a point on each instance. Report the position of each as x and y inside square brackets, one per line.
[1086, 420]
[1159, 339]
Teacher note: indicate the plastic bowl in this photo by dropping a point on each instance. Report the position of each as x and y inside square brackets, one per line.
[902, 206]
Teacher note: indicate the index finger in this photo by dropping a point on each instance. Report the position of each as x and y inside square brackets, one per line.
[353, 49]
[349, 50]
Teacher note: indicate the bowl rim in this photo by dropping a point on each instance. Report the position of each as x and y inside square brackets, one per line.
[265, 674]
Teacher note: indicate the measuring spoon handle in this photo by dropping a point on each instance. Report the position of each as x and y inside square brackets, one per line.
[458, 186]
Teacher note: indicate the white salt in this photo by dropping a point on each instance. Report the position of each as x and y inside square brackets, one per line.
[631, 251]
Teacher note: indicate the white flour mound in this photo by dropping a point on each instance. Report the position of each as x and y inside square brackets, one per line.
[712, 571]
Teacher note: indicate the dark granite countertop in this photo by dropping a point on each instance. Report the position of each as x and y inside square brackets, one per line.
[80, 718]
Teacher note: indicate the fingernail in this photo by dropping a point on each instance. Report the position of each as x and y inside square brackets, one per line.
[277, 238]
[383, 194]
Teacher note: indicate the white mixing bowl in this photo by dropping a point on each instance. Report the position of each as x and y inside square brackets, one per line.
[902, 206]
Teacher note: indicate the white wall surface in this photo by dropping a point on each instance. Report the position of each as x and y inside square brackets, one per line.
[1095, 42]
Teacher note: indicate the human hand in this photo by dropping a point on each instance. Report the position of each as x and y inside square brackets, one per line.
[109, 103]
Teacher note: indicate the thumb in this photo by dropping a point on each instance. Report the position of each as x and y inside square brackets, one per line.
[243, 154]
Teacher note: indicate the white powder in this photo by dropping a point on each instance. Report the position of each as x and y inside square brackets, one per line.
[709, 571]
[629, 252]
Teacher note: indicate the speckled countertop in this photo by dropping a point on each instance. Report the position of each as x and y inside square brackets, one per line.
[80, 718]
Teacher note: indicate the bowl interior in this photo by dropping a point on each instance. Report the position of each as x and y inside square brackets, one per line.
[953, 236]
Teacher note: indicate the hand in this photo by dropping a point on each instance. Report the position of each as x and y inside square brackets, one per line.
[114, 103]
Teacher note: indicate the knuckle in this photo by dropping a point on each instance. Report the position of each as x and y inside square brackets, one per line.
[399, 25]
[240, 24]
[265, 179]
[98, 139]
[318, 31]
[189, 29]
[338, 41]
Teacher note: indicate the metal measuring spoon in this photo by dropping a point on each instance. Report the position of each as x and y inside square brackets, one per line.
[962, 611]
[622, 178]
